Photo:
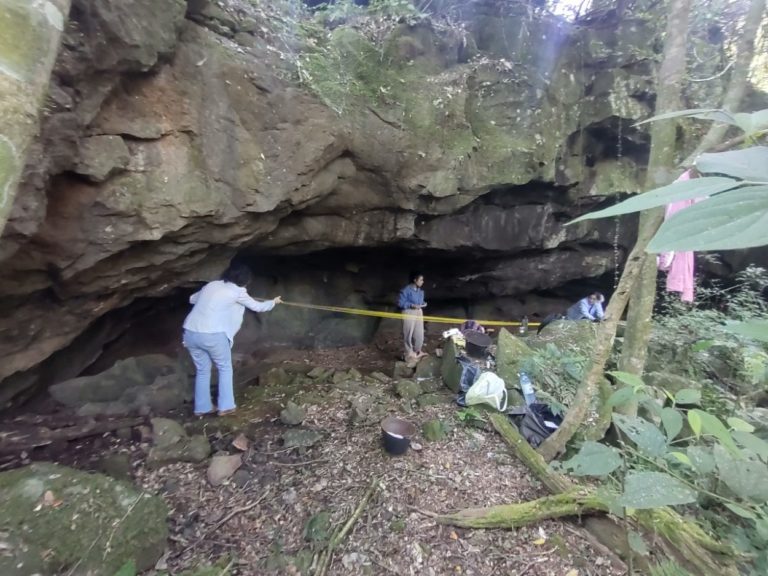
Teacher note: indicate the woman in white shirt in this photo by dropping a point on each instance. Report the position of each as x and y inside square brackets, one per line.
[210, 329]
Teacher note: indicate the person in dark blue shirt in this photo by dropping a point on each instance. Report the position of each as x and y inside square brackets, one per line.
[411, 302]
[589, 308]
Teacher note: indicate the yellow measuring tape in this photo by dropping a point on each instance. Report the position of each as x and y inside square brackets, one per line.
[400, 316]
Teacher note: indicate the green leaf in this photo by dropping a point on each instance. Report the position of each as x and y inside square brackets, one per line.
[628, 379]
[645, 435]
[127, 569]
[752, 443]
[594, 459]
[711, 424]
[621, 396]
[702, 459]
[688, 396]
[680, 457]
[637, 543]
[652, 405]
[739, 424]
[682, 190]
[730, 221]
[755, 329]
[746, 478]
[745, 164]
[644, 490]
[752, 122]
[701, 113]
[739, 511]
[672, 421]
[694, 421]
[702, 345]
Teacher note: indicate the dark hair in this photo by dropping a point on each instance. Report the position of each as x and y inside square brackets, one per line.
[237, 274]
[415, 275]
[599, 296]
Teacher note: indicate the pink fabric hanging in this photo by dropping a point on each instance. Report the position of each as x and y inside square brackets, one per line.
[679, 266]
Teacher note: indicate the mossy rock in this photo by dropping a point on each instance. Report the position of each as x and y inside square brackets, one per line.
[450, 369]
[433, 400]
[68, 521]
[434, 430]
[408, 389]
[571, 336]
[511, 352]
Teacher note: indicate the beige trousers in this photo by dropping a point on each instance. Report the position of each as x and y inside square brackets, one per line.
[413, 332]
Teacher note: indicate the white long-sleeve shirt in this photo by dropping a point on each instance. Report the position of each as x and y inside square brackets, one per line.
[219, 307]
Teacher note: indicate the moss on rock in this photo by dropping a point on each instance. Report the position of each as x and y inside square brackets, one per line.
[69, 521]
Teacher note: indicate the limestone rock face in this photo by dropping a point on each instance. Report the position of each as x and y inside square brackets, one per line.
[181, 134]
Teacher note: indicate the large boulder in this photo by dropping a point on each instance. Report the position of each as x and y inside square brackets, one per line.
[64, 521]
[152, 383]
[511, 353]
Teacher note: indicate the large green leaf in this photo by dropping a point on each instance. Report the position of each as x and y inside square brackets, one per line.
[745, 164]
[645, 435]
[752, 443]
[702, 459]
[622, 396]
[729, 221]
[752, 122]
[746, 478]
[672, 421]
[755, 329]
[628, 379]
[594, 460]
[711, 424]
[702, 113]
[688, 396]
[683, 190]
[654, 489]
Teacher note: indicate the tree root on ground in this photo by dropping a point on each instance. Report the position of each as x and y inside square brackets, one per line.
[323, 562]
[672, 535]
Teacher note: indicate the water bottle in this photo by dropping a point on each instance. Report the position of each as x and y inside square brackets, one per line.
[524, 326]
[527, 387]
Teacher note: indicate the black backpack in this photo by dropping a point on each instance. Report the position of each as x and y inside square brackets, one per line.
[536, 423]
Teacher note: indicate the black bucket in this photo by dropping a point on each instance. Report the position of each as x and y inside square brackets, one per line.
[477, 343]
[396, 434]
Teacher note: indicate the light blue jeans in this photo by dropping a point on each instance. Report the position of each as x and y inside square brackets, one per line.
[207, 349]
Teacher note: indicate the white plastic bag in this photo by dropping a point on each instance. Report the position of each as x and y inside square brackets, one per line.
[488, 389]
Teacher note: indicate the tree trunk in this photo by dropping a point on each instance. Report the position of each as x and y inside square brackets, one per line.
[680, 540]
[662, 146]
[737, 85]
[660, 167]
[30, 32]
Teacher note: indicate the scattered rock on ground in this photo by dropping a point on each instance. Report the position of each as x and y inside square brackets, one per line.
[117, 466]
[222, 467]
[241, 478]
[432, 399]
[292, 414]
[366, 409]
[408, 389]
[434, 430]
[428, 367]
[241, 442]
[300, 438]
[55, 534]
[402, 370]
[172, 444]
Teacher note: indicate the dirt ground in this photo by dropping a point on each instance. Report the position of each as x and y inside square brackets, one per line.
[277, 512]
